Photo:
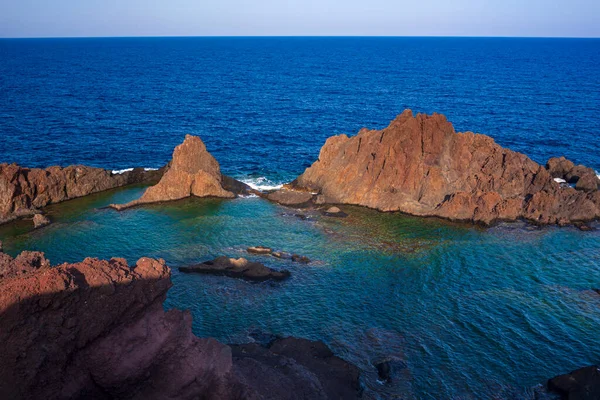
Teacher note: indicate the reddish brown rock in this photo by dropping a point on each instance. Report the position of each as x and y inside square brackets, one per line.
[23, 191]
[40, 220]
[421, 166]
[291, 198]
[97, 330]
[193, 171]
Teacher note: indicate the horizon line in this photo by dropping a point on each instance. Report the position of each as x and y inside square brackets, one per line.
[295, 36]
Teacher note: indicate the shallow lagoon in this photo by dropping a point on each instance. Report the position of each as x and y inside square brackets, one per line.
[471, 312]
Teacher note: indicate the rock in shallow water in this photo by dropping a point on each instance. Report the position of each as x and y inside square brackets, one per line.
[238, 268]
[39, 221]
[259, 250]
[193, 171]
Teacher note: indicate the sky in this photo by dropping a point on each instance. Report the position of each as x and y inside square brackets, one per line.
[86, 18]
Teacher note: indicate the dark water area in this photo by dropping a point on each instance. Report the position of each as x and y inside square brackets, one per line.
[465, 312]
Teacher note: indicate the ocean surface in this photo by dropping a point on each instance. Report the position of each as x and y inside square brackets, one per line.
[464, 312]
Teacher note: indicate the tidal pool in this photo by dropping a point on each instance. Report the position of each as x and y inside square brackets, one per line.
[465, 312]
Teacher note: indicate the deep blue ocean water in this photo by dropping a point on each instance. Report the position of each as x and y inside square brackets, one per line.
[471, 313]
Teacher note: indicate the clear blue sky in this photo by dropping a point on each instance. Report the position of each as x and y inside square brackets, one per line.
[54, 18]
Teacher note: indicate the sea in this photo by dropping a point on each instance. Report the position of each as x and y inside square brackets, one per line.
[461, 311]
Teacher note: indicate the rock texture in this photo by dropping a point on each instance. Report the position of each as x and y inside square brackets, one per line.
[39, 221]
[193, 171]
[582, 384]
[97, 330]
[23, 191]
[421, 166]
[238, 268]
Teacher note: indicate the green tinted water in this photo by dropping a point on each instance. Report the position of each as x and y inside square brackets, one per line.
[471, 312]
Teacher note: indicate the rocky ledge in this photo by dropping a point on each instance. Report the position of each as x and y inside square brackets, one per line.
[24, 191]
[238, 268]
[193, 171]
[582, 384]
[421, 166]
[97, 330]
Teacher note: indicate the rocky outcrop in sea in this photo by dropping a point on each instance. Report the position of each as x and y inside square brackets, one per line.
[97, 330]
[419, 165]
[193, 171]
[24, 191]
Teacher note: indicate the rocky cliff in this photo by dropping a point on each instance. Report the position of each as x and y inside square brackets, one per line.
[97, 330]
[193, 171]
[24, 191]
[421, 166]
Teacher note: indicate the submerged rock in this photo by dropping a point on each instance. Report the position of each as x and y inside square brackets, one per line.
[193, 171]
[98, 330]
[300, 259]
[23, 191]
[421, 166]
[40, 220]
[259, 250]
[281, 254]
[238, 268]
[581, 384]
[334, 212]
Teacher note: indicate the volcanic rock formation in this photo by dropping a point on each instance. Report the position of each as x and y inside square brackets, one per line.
[24, 191]
[421, 166]
[581, 384]
[193, 171]
[98, 330]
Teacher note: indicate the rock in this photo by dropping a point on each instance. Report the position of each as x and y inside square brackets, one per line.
[597, 290]
[98, 330]
[40, 220]
[583, 227]
[236, 187]
[584, 178]
[300, 259]
[296, 368]
[238, 268]
[23, 191]
[588, 182]
[259, 250]
[1, 247]
[335, 212]
[582, 384]
[386, 368]
[291, 198]
[421, 166]
[24, 263]
[193, 171]
[559, 167]
[281, 254]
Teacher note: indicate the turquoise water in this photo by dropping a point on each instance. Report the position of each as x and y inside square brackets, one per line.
[473, 313]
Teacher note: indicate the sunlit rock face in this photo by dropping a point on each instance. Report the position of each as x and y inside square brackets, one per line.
[421, 166]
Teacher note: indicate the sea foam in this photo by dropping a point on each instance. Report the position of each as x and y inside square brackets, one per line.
[122, 171]
[261, 183]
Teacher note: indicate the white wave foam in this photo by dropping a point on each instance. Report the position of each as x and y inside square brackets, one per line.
[559, 180]
[261, 183]
[597, 174]
[122, 171]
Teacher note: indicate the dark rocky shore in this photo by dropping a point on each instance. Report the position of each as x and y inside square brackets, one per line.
[421, 166]
[97, 330]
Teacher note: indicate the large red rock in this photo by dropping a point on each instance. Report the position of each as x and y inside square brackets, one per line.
[421, 166]
[97, 330]
[23, 191]
[193, 171]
